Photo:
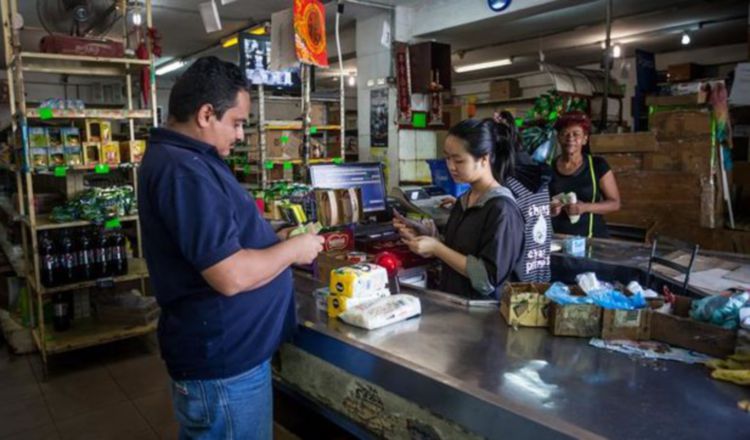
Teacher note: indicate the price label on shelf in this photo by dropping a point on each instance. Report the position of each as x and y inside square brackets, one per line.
[246, 169]
[101, 168]
[284, 140]
[287, 165]
[105, 283]
[338, 160]
[113, 224]
[268, 165]
[313, 129]
[61, 171]
[46, 113]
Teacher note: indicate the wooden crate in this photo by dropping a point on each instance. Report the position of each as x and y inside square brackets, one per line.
[626, 324]
[581, 320]
[524, 304]
[623, 143]
[681, 330]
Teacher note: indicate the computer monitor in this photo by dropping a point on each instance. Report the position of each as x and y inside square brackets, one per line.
[368, 177]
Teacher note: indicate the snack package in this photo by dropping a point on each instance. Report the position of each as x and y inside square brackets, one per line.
[340, 304]
[382, 312]
[358, 280]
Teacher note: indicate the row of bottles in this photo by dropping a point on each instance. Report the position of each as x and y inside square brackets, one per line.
[81, 254]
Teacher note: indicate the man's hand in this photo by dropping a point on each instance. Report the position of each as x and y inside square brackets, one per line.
[307, 247]
[283, 233]
[423, 246]
[448, 202]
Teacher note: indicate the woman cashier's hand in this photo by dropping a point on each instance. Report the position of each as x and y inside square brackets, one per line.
[423, 246]
[555, 208]
[576, 208]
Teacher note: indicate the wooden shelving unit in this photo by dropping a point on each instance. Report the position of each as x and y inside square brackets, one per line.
[18, 62]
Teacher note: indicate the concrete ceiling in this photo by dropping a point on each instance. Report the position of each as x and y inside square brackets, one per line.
[572, 34]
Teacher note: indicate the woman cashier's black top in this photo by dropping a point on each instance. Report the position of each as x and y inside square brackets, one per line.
[491, 235]
[587, 189]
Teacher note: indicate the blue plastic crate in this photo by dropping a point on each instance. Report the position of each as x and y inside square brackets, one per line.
[441, 177]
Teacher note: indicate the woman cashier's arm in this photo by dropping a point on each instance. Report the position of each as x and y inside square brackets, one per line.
[608, 188]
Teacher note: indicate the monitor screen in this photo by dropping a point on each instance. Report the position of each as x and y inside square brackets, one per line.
[366, 176]
[255, 52]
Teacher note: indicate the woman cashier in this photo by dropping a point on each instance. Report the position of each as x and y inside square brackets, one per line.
[484, 236]
[589, 177]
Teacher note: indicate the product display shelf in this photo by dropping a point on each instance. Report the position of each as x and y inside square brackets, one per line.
[297, 125]
[44, 223]
[88, 333]
[87, 168]
[136, 270]
[89, 113]
[20, 63]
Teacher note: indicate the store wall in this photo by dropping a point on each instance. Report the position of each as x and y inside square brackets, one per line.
[374, 66]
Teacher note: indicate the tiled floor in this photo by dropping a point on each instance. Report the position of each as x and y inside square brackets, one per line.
[117, 391]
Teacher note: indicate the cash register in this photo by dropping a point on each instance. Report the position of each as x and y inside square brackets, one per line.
[425, 200]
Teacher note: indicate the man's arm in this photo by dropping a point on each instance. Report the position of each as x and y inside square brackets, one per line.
[249, 269]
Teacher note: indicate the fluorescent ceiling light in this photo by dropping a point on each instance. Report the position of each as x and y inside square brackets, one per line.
[480, 66]
[685, 40]
[210, 16]
[616, 51]
[169, 67]
[352, 80]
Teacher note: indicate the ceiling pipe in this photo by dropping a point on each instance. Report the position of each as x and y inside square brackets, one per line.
[372, 4]
[607, 57]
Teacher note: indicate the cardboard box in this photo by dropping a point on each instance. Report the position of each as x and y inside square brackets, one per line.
[683, 72]
[524, 304]
[283, 144]
[98, 131]
[92, 153]
[626, 324]
[56, 156]
[38, 137]
[73, 156]
[71, 136]
[132, 151]
[691, 99]
[623, 143]
[328, 261]
[504, 89]
[580, 320]
[111, 153]
[681, 330]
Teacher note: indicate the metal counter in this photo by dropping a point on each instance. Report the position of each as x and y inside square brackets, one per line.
[468, 366]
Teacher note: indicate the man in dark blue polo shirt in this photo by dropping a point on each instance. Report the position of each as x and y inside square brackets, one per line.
[220, 273]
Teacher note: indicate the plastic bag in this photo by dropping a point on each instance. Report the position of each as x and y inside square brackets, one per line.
[560, 294]
[616, 300]
[382, 312]
[588, 282]
[720, 310]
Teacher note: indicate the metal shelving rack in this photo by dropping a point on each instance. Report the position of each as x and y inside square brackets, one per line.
[304, 125]
[19, 62]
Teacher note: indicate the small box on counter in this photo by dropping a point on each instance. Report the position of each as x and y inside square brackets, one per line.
[524, 304]
[328, 261]
[111, 153]
[579, 320]
[132, 151]
[92, 153]
[681, 330]
[339, 240]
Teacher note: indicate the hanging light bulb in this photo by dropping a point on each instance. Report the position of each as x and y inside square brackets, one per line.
[604, 44]
[352, 80]
[616, 51]
[685, 40]
[136, 18]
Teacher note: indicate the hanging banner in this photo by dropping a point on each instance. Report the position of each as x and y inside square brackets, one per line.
[379, 118]
[403, 81]
[310, 32]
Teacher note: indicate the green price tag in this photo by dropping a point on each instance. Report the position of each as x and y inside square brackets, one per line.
[338, 160]
[112, 224]
[46, 113]
[246, 169]
[61, 171]
[287, 165]
[419, 120]
[313, 129]
[519, 122]
[268, 165]
[284, 140]
[101, 168]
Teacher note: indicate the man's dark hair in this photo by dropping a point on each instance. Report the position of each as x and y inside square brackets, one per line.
[208, 80]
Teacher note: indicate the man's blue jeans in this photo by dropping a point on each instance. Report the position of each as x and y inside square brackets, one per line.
[238, 407]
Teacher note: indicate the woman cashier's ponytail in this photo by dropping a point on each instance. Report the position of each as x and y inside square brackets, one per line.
[487, 137]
